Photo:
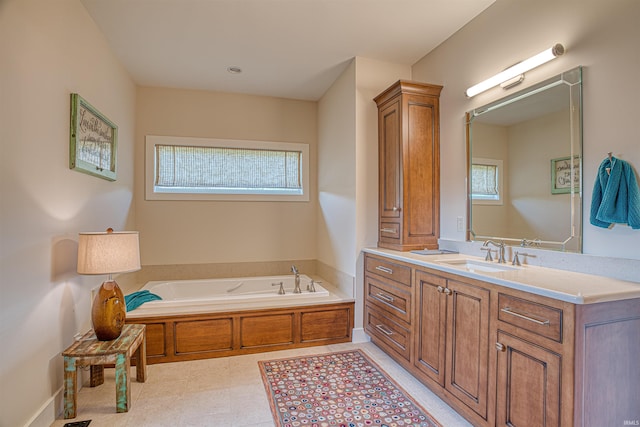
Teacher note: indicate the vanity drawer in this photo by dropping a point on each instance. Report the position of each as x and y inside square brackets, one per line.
[389, 298]
[534, 317]
[388, 269]
[390, 229]
[387, 332]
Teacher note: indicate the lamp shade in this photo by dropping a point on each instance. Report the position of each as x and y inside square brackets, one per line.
[108, 252]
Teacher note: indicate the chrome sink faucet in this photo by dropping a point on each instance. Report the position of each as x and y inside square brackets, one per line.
[500, 247]
[296, 288]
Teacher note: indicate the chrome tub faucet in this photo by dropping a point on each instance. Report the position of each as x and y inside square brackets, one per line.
[296, 288]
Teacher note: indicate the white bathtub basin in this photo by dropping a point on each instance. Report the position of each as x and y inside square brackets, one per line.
[476, 266]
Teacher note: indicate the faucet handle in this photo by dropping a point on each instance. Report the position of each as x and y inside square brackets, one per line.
[516, 260]
[312, 286]
[488, 257]
[281, 290]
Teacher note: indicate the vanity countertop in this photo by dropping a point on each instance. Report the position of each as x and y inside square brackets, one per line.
[576, 288]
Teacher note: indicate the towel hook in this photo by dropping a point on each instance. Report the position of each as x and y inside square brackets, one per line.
[610, 161]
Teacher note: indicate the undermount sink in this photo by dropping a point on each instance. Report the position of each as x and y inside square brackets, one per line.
[477, 266]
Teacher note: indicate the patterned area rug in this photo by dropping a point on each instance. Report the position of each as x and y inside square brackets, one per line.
[343, 389]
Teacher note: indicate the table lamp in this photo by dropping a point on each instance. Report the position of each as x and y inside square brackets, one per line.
[108, 253]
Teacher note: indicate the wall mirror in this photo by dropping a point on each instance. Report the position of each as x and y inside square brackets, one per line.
[524, 157]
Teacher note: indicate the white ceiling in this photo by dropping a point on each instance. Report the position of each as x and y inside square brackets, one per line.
[286, 48]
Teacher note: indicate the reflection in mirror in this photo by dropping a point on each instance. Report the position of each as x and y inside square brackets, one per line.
[524, 166]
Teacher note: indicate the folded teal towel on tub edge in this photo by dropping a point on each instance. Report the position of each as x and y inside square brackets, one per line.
[136, 299]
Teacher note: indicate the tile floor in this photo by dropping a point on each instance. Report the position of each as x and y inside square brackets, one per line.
[223, 392]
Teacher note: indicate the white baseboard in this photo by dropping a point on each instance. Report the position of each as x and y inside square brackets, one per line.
[48, 412]
[359, 335]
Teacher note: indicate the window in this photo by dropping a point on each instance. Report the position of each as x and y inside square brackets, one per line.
[215, 169]
[486, 181]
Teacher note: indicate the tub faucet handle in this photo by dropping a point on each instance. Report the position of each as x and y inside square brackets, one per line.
[312, 286]
[281, 290]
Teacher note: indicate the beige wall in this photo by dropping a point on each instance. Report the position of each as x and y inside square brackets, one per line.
[372, 77]
[193, 232]
[348, 164]
[336, 174]
[600, 35]
[49, 50]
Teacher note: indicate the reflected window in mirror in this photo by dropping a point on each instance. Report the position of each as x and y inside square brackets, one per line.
[522, 133]
[486, 181]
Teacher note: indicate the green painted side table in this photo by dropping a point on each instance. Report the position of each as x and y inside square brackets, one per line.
[88, 351]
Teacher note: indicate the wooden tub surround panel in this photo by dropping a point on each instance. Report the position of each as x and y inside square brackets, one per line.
[202, 336]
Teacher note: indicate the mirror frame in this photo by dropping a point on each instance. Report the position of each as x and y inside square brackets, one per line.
[573, 79]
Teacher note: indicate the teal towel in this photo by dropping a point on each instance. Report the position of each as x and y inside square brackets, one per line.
[136, 299]
[616, 197]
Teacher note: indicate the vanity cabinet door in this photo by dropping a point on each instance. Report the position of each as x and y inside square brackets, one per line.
[467, 374]
[528, 384]
[431, 317]
[451, 346]
[389, 125]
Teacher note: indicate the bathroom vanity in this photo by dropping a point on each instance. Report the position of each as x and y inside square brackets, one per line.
[509, 346]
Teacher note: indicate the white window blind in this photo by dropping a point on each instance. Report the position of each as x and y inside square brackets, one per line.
[226, 168]
[484, 180]
[188, 168]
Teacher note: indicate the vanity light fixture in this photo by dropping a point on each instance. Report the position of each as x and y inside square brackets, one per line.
[517, 70]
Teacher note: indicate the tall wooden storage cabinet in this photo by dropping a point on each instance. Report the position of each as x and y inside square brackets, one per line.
[409, 166]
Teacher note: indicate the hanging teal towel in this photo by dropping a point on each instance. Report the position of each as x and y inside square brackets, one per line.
[136, 299]
[616, 197]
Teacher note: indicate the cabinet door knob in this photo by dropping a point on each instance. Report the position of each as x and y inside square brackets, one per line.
[440, 289]
[447, 291]
[500, 347]
[395, 209]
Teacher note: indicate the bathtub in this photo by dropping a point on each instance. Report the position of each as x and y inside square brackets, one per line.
[199, 319]
[206, 295]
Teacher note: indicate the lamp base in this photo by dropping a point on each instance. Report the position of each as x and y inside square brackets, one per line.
[108, 311]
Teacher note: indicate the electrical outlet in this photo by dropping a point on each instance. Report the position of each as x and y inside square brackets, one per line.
[460, 224]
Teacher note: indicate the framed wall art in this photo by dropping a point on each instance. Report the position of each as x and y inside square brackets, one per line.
[93, 140]
[561, 175]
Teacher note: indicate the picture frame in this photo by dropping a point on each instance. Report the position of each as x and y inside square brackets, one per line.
[561, 175]
[93, 141]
